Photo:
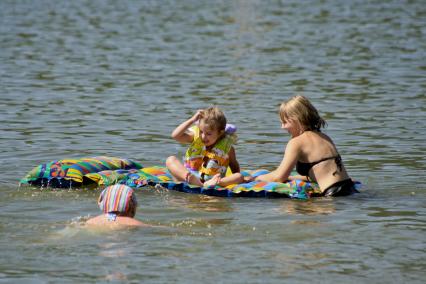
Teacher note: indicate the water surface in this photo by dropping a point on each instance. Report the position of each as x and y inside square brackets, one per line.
[87, 78]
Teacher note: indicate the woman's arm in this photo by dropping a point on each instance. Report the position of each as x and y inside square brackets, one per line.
[233, 163]
[180, 134]
[299, 177]
[287, 164]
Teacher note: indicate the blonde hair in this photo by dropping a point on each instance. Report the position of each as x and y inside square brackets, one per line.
[214, 118]
[300, 108]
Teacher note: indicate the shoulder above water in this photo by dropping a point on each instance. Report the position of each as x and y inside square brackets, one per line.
[120, 221]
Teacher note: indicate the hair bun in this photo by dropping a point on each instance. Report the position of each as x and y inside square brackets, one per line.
[230, 128]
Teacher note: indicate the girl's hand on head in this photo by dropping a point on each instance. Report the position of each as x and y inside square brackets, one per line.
[197, 115]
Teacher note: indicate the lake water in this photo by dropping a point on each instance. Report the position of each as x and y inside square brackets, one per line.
[87, 78]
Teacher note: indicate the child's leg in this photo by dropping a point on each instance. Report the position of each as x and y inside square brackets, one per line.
[180, 172]
[231, 179]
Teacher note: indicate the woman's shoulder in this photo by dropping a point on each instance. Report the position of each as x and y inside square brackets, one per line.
[315, 136]
[309, 141]
[301, 139]
[317, 144]
[295, 144]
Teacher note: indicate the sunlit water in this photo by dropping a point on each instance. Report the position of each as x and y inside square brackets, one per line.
[87, 78]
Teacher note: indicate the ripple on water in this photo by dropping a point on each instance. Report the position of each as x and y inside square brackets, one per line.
[112, 78]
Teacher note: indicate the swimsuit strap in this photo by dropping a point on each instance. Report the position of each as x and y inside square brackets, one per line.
[338, 161]
[111, 216]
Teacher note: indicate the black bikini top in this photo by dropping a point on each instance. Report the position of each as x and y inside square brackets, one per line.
[304, 168]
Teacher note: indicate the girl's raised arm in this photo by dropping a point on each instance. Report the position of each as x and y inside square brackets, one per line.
[181, 134]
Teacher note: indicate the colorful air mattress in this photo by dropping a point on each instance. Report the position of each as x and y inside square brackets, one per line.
[105, 171]
[70, 172]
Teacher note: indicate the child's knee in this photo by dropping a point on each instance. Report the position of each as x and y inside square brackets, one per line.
[239, 177]
[170, 160]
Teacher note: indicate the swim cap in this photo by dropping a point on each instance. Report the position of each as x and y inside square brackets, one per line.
[116, 198]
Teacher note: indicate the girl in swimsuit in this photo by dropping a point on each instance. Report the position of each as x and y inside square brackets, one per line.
[309, 150]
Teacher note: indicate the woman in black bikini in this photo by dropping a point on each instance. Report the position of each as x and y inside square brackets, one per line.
[309, 150]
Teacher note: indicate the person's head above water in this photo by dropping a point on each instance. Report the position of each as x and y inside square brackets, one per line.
[118, 199]
[300, 109]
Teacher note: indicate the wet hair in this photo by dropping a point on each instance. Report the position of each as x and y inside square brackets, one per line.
[214, 118]
[300, 108]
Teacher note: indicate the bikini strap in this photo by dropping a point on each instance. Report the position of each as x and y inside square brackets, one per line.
[338, 161]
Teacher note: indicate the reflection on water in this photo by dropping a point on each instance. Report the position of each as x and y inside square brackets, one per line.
[310, 207]
[87, 78]
[384, 212]
[199, 202]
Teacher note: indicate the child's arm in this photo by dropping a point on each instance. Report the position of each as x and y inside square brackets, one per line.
[233, 163]
[180, 134]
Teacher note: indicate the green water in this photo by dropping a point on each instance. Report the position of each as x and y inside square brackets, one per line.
[87, 78]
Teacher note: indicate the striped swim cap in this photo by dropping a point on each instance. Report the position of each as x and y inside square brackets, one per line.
[117, 198]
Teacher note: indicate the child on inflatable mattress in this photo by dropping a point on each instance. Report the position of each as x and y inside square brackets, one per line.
[210, 153]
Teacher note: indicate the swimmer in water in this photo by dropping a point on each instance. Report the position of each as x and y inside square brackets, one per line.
[118, 203]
